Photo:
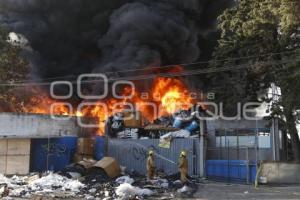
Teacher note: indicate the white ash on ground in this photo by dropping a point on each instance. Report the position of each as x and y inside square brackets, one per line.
[125, 179]
[93, 185]
[48, 184]
[127, 191]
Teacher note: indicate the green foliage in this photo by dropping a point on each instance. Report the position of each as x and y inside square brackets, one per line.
[252, 30]
[257, 32]
[12, 68]
[290, 82]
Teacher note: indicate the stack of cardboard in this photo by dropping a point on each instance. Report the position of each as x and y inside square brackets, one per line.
[132, 119]
[85, 149]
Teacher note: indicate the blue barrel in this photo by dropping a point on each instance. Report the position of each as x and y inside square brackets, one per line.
[192, 126]
[52, 154]
[99, 147]
[177, 122]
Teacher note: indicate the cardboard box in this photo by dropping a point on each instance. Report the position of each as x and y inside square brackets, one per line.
[80, 157]
[132, 119]
[85, 146]
[110, 166]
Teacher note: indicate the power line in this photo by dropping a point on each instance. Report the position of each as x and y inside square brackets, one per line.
[152, 76]
[201, 62]
[165, 66]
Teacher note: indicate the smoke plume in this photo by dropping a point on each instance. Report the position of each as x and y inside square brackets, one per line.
[69, 37]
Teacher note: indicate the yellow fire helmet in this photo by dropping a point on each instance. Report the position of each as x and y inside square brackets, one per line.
[183, 154]
[150, 152]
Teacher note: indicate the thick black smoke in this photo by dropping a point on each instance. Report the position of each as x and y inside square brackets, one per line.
[70, 37]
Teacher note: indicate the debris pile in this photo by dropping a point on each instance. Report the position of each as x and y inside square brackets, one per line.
[181, 124]
[55, 181]
[52, 184]
[127, 191]
[94, 185]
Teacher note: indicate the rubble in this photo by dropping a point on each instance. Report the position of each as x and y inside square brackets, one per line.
[129, 133]
[4, 191]
[51, 183]
[94, 184]
[74, 175]
[184, 189]
[183, 123]
[177, 134]
[124, 179]
[163, 183]
[126, 191]
[56, 181]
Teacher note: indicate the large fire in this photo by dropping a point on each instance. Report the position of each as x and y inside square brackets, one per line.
[172, 95]
[40, 103]
[165, 97]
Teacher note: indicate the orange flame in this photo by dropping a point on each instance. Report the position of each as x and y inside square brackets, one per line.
[40, 103]
[171, 94]
[168, 94]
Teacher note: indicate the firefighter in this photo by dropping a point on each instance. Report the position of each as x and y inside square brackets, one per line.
[150, 165]
[183, 167]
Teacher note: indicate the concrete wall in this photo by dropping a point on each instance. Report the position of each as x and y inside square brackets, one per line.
[14, 125]
[277, 172]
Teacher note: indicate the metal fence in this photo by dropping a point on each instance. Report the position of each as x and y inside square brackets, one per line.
[233, 153]
[132, 153]
[231, 164]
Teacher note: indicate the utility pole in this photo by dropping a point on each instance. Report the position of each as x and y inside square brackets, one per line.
[202, 150]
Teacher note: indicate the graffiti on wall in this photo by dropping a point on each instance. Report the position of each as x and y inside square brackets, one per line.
[141, 153]
[55, 149]
[134, 153]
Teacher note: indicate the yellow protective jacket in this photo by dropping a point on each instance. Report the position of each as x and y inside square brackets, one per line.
[150, 163]
[183, 165]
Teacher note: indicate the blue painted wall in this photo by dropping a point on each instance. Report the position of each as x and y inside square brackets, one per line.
[56, 153]
[52, 154]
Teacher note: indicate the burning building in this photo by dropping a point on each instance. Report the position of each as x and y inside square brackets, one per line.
[124, 40]
[61, 41]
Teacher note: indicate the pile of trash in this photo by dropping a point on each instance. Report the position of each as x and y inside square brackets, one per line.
[49, 183]
[122, 187]
[182, 124]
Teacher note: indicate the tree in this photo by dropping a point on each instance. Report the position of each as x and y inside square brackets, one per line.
[289, 82]
[263, 34]
[12, 68]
